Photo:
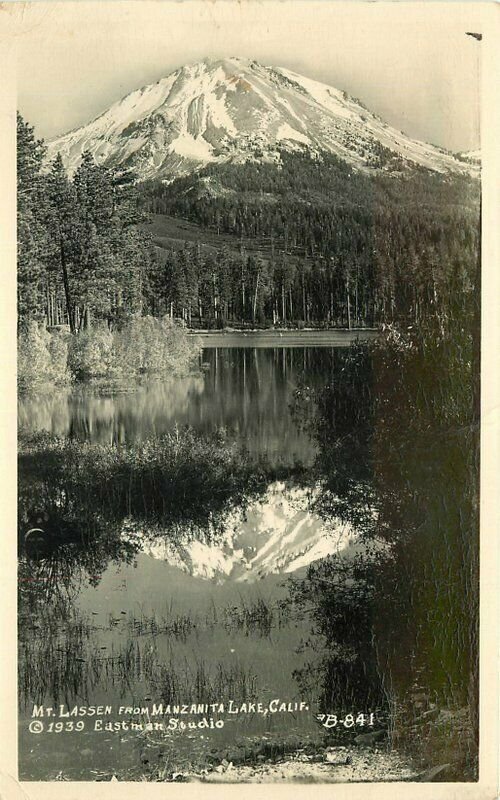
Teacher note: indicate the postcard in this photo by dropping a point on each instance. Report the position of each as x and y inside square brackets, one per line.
[254, 314]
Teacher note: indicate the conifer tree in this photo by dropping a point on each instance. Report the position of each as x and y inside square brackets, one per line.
[31, 234]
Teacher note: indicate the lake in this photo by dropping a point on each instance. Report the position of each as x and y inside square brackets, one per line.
[197, 623]
[246, 391]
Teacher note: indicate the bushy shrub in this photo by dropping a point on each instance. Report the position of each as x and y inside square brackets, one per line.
[57, 345]
[144, 346]
[149, 346]
[178, 479]
[91, 354]
[42, 358]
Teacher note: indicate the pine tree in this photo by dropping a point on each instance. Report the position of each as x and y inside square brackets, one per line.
[31, 235]
[62, 225]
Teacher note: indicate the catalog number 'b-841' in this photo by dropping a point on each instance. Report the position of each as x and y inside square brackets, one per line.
[348, 721]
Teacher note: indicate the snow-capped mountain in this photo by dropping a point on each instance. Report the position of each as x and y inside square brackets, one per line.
[233, 109]
[277, 535]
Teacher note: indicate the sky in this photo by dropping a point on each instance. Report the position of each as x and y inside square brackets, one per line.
[409, 62]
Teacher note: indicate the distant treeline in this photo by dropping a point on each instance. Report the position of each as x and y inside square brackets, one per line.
[335, 246]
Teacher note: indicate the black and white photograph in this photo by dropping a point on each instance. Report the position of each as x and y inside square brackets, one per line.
[249, 392]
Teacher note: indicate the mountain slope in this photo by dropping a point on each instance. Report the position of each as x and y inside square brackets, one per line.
[472, 156]
[233, 110]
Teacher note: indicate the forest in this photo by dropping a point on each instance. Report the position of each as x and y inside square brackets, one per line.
[303, 242]
[314, 243]
[81, 255]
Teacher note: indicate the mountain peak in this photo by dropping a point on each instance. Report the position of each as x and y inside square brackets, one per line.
[226, 60]
[233, 109]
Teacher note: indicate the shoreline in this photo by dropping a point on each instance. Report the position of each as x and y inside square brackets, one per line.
[322, 765]
[272, 338]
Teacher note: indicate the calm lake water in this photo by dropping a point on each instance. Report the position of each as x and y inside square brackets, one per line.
[247, 391]
[192, 630]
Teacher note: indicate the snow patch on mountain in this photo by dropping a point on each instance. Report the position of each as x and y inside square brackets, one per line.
[189, 146]
[326, 96]
[285, 131]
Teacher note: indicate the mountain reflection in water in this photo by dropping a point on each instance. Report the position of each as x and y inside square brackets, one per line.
[111, 615]
[277, 534]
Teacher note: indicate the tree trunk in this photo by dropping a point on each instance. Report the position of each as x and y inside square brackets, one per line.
[215, 295]
[255, 296]
[87, 318]
[67, 291]
[348, 305]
